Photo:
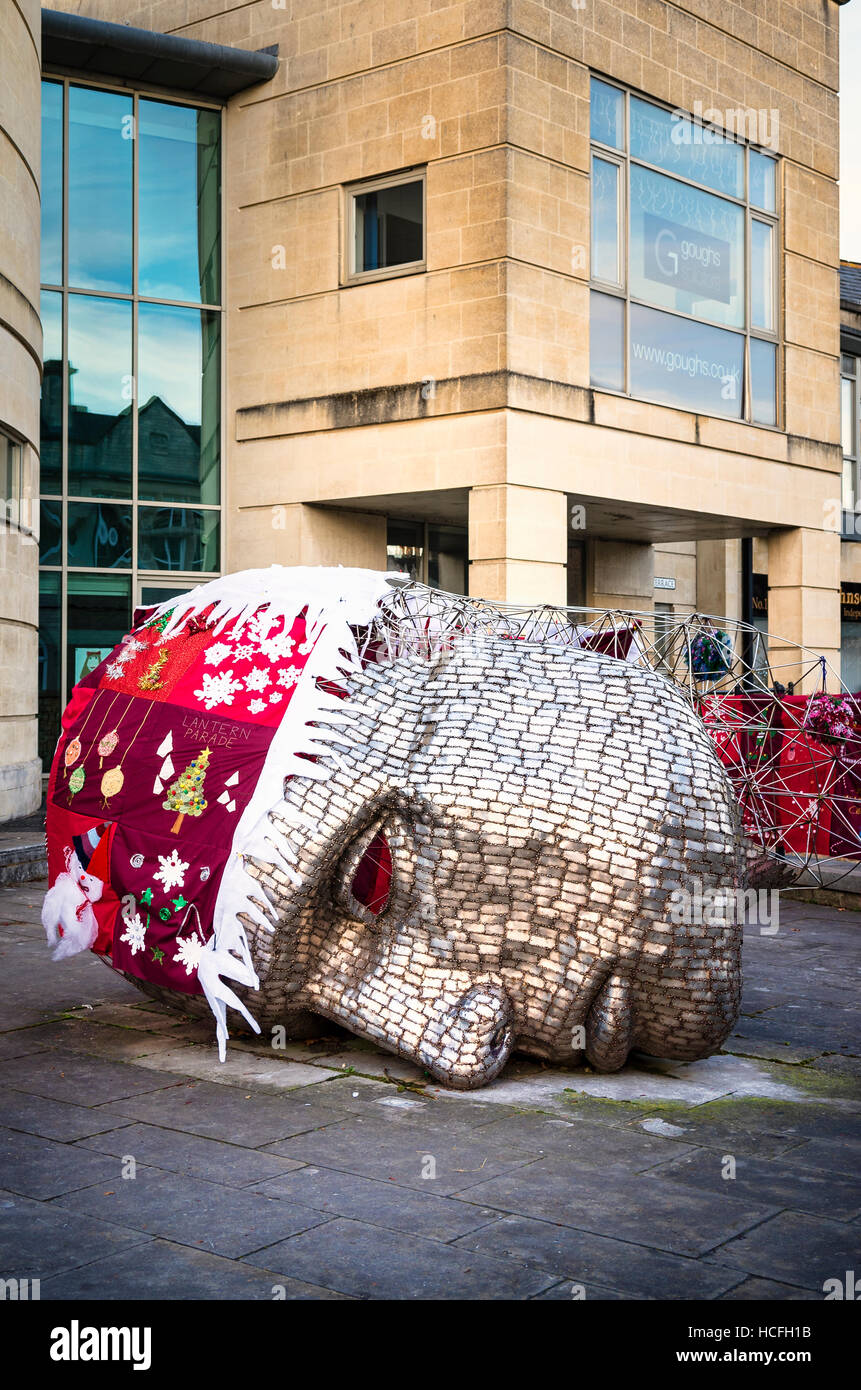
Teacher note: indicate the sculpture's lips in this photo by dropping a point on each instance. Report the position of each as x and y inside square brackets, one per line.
[609, 1023]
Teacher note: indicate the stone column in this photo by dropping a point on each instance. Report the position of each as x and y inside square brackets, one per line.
[804, 602]
[518, 543]
[719, 578]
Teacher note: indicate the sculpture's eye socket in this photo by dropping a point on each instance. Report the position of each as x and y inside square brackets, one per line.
[372, 881]
[365, 876]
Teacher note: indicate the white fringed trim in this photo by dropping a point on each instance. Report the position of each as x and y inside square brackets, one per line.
[336, 600]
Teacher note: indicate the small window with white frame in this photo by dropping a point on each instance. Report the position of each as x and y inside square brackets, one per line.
[385, 227]
[12, 499]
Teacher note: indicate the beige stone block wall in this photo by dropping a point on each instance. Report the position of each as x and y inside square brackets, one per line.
[679, 562]
[20, 358]
[500, 118]
[298, 534]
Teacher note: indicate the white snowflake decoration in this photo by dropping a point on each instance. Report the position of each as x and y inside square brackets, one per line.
[275, 696]
[189, 953]
[171, 874]
[306, 648]
[256, 706]
[260, 625]
[134, 934]
[278, 648]
[288, 676]
[114, 670]
[244, 651]
[216, 653]
[218, 690]
[257, 678]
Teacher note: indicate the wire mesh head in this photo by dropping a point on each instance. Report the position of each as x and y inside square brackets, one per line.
[785, 728]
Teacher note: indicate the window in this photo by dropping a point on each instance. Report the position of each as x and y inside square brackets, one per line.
[434, 554]
[849, 408]
[683, 264]
[130, 415]
[385, 228]
[12, 499]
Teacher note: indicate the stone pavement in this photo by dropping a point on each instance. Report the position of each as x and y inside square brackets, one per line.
[330, 1170]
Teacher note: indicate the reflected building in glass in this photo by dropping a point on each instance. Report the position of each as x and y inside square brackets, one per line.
[131, 391]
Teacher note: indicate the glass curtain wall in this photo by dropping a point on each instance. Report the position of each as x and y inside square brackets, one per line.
[131, 458]
[684, 304]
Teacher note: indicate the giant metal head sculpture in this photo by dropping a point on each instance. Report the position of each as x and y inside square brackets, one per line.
[377, 805]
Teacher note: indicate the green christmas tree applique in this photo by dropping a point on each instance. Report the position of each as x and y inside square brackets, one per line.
[185, 795]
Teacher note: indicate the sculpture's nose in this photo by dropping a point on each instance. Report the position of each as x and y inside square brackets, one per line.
[458, 1027]
[469, 1041]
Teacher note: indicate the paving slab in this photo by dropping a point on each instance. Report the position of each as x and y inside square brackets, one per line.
[225, 1220]
[379, 1203]
[666, 1215]
[268, 1073]
[103, 1039]
[633, 1269]
[36, 1167]
[160, 1269]
[767, 1291]
[191, 1154]
[53, 1119]
[593, 1145]
[369, 1262]
[831, 1155]
[568, 1292]
[771, 1181]
[401, 1151]
[795, 1249]
[247, 1117]
[21, 1042]
[73, 1076]
[38, 1239]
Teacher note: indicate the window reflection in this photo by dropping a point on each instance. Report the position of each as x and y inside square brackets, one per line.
[100, 392]
[679, 362]
[52, 183]
[763, 382]
[51, 401]
[687, 248]
[179, 373]
[50, 628]
[100, 535]
[605, 220]
[100, 190]
[177, 538]
[761, 275]
[99, 615]
[762, 181]
[607, 114]
[51, 531]
[405, 548]
[681, 146]
[179, 244]
[606, 341]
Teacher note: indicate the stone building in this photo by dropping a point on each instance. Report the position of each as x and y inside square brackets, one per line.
[538, 299]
